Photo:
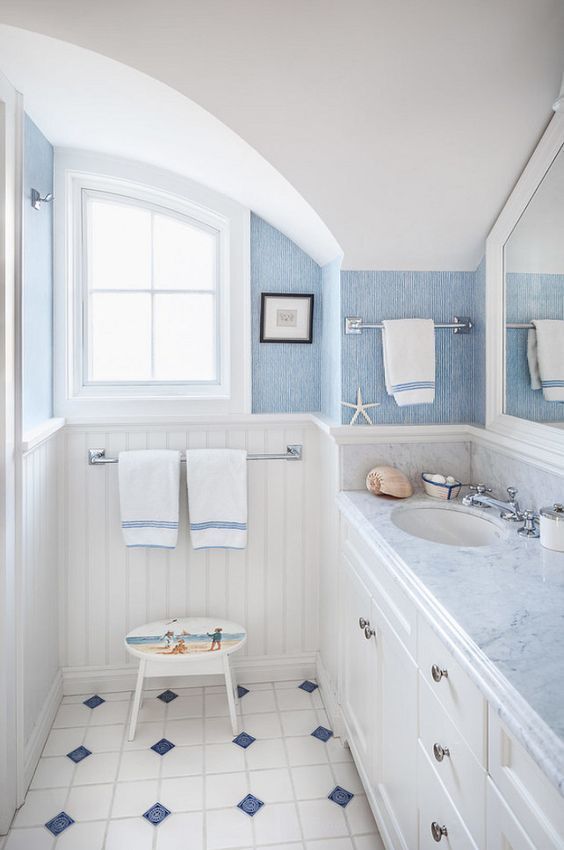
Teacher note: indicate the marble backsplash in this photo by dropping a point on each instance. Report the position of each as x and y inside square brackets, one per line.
[537, 488]
[469, 462]
[412, 458]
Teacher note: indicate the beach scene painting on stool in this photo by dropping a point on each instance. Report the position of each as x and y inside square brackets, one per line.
[183, 642]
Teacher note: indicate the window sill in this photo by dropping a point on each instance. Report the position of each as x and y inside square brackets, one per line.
[35, 436]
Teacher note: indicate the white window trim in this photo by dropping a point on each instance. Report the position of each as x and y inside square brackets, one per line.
[78, 170]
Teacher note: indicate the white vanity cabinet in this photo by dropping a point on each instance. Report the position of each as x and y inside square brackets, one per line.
[437, 764]
[359, 668]
[378, 695]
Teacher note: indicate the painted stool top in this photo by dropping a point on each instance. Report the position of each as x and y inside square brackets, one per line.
[183, 637]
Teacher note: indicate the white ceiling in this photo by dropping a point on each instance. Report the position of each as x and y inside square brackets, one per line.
[81, 99]
[404, 123]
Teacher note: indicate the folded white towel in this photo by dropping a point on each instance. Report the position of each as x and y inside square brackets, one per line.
[149, 493]
[545, 353]
[217, 498]
[409, 360]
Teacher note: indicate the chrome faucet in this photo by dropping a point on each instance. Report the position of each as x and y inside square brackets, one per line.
[509, 510]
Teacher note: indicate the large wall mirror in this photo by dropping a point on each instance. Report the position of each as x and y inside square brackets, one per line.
[525, 305]
[534, 305]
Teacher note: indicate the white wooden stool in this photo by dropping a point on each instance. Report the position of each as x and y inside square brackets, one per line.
[192, 646]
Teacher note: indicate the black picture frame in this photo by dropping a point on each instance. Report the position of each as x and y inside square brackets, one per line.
[308, 304]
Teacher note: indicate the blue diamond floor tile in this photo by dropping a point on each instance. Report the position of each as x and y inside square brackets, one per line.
[163, 746]
[340, 796]
[156, 814]
[94, 702]
[244, 740]
[241, 691]
[250, 805]
[167, 696]
[59, 823]
[79, 754]
[322, 733]
[308, 686]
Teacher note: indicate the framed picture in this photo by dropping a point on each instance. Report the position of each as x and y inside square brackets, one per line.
[286, 317]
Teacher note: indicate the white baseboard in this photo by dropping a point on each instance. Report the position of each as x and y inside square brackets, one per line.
[276, 668]
[329, 695]
[34, 746]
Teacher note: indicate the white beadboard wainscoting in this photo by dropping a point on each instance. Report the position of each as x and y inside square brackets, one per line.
[39, 664]
[271, 587]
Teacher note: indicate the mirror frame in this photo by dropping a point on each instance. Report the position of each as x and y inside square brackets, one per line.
[533, 439]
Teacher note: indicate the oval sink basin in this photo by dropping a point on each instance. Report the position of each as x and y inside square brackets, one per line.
[441, 525]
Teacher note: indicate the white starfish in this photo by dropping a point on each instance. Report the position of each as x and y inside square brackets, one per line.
[360, 408]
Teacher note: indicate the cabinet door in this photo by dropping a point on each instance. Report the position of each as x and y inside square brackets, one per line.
[359, 667]
[396, 755]
[503, 830]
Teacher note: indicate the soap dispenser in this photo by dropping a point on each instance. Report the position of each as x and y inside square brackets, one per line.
[552, 527]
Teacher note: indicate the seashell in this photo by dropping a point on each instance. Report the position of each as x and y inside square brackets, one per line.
[389, 481]
[451, 480]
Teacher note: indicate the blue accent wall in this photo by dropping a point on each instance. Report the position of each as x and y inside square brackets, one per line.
[396, 295]
[530, 296]
[37, 280]
[331, 340]
[286, 377]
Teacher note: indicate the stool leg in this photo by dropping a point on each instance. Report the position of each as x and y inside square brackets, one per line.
[230, 694]
[136, 700]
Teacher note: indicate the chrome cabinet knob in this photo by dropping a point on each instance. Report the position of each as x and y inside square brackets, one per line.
[362, 623]
[440, 752]
[437, 831]
[437, 673]
[368, 632]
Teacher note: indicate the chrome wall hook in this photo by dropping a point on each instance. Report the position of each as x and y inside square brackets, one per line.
[37, 199]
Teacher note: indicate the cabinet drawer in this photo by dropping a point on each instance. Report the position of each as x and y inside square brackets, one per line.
[535, 802]
[456, 692]
[435, 807]
[463, 777]
[391, 598]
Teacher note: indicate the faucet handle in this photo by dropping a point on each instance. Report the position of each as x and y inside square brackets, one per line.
[480, 489]
[512, 492]
[529, 528]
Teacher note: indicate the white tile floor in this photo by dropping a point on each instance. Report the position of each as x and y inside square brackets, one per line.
[200, 781]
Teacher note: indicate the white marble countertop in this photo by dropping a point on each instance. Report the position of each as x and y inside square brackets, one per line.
[501, 609]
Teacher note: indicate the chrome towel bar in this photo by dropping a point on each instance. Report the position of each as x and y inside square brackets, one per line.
[459, 325]
[97, 457]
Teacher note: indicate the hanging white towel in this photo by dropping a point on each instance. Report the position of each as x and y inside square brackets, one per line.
[149, 493]
[409, 360]
[545, 353]
[217, 498]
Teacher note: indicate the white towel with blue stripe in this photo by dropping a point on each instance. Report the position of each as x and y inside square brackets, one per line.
[545, 353]
[409, 360]
[149, 494]
[217, 498]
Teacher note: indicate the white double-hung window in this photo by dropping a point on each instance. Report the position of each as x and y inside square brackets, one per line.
[151, 294]
[155, 293]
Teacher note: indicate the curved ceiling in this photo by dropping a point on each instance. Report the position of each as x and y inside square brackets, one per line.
[403, 123]
[81, 99]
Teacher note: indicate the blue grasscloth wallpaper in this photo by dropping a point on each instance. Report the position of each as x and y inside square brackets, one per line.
[331, 339]
[37, 280]
[530, 296]
[299, 378]
[395, 295]
[286, 377]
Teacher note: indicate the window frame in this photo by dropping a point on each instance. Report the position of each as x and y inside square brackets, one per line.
[78, 173]
[152, 387]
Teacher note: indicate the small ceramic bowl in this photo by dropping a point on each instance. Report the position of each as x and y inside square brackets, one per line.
[440, 491]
